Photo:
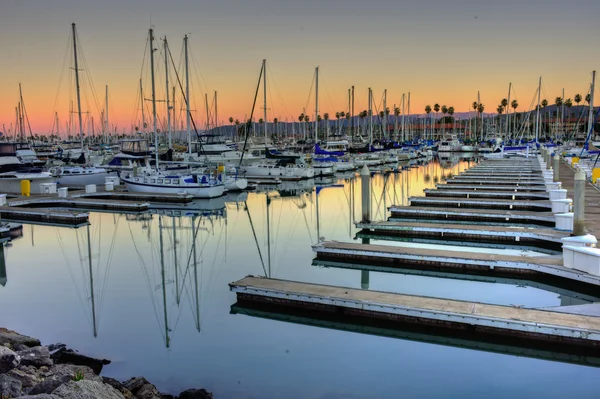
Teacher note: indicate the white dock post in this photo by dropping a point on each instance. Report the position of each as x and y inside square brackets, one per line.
[556, 162]
[579, 204]
[549, 160]
[365, 178]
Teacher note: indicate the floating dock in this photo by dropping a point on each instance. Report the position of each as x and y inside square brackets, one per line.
[50, 216]
[516, 188]
[475, 203]
[495, 194]
[528, 324]
[435, 215]
[510, 264]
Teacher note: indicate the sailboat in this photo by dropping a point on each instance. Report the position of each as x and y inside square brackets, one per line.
[79, 175]
[154, 180]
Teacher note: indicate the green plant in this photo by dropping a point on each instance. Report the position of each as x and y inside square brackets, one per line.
[78, 376]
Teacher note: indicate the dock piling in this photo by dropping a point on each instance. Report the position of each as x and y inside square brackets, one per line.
[579, 203]
[365, 177]
[556, 162]
[549, 160]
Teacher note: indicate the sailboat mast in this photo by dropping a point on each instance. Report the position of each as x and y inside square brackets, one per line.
[408, 111]
[316, 104]
[591, 112]
[508, 112]
[403, 138]
[384, 130]
[143, 127]
[207, 114]
[537, 116]
[370, 118]
[77, 84]
[216, 111]
[265, 99]
[91, 281]
[166, 47]
[187, 95]
[153, 97]
[481, 122]
[106, 128]
[164, 282]
[22, 104]
[352, 114]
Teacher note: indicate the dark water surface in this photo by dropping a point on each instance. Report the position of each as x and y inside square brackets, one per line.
[172, 323]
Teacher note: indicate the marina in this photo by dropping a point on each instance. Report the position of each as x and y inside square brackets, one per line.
[255, 214]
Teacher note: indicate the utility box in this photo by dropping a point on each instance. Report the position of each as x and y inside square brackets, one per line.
[63, 192]
[558, 194]
[90, 189]
[564, 221]
[109, 186]
[561, 206]
[112, 179]
[582, 258]
[47, 188]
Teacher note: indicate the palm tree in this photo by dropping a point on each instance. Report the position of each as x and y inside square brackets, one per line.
[231, 119]
[500, 111]
[451, 113]
[436, 108]
[588, 98]
[514, 105]
[577, 98]
[362, 115]
[444, 111]
[337, 117]
[428, 111]
[475, 105]
[396, 114]
[326, 117]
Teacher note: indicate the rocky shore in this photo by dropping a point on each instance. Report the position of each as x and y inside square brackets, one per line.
[29, 370]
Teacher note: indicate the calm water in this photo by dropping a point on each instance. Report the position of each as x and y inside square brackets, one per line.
[172, 324]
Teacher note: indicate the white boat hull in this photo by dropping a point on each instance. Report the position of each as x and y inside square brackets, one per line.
[198, 191]
[84, 179]
[12, 185]
[232, 184]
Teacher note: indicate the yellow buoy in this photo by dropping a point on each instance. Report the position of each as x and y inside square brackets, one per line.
[25, 188]
[595, 175]
[574, 161]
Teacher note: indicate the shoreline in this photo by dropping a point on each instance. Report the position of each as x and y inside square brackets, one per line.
[30, 370]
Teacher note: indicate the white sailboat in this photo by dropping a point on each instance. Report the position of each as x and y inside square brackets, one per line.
[157, 181]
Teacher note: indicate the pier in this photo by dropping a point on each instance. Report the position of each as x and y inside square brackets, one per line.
[495, 204]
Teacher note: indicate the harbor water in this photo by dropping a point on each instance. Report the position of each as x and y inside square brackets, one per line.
[150, 292]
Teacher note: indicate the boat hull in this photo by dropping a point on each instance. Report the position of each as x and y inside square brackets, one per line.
[198, 191]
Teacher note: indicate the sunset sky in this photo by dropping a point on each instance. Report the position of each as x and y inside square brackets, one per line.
[440, 51]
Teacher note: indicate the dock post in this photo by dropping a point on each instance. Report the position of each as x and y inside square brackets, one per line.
[549, 160]
[3, 278]
[365, 179]
[556, 166]
[579, 204]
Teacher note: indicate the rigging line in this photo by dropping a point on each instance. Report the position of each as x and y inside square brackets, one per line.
[249, 121]
[274, 83]
[307, 227]
[147, 276]
[255, 238]
[60, 79]
[200, 147]
[109, 262]
[312, 84]
[77, 291]
[88, 75]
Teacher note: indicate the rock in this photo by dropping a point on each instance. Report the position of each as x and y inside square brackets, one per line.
[87, 390]
[42, 396]
[195, 394]
[27, 380]
[142, 389]
[71, 370]
[118, 386]
[64, 355]
[57, 346]
[49, 385]
[12, 338]
[8, 360]
[37, 356]
[9, 387]
[19, 347]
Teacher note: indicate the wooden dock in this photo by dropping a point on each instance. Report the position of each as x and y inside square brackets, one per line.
[488, 216]
[486, 194]
[450, 259]
[468, 232]
[521, 189]
[47, 216]
[478, 203]
[592, 198]
[530, 324]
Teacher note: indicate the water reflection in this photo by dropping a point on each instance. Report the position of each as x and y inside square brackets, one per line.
[150, 292]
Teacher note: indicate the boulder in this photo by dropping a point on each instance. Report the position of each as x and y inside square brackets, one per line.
[27, 379]
[87, 390]
[69, 356]
[42, 396]
[71, 370]
[12, 338]
[118, 386]
[38, 356]
[9, 387]
[49, 385]
[8, 360]
[142, 389]
[195, 394]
